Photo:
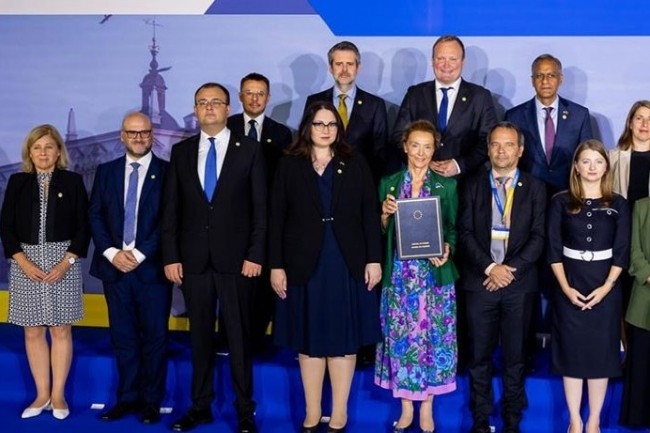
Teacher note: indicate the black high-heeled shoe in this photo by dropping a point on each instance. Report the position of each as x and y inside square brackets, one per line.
[312, 429]
[331, 429]
[406, 429]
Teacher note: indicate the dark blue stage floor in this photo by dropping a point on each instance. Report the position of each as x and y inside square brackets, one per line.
[277, 391]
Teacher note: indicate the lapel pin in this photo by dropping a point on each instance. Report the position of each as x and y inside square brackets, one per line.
[341, 163]
[359, 102]
[464, 99]
[237, 143]
[60, 194]
[339, 171]
[519, 184]
[153, 176]
[268, 140]
[565, 114]
[392, 188]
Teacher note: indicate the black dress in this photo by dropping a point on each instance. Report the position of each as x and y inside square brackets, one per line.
[586, 344]
[333, 314]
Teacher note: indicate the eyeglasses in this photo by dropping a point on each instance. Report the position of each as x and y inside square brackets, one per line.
[216, 103]
[320, 126]
[143, 134]
[252, 93]
[549, 76]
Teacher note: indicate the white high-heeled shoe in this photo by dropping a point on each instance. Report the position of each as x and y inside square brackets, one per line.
[61, 413]
[31, 412]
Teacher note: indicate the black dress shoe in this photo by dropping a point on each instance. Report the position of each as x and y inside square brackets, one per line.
[191, 419]
[482, 427]
[247, 425]
[119, 411]
[150, 415]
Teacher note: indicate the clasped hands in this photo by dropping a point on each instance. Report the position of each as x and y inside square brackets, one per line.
[587, 302]
[34, 273]
[500, 276]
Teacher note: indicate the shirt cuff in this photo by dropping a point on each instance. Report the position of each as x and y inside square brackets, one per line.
[457, 166]
[110, 254]
[489, 269]
[138, 255]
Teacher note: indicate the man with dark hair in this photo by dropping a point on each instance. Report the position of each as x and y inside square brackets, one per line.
[214, 242]
[463, 112]
[501, 230]
[274, 138]
[553, 126]
[363, 114]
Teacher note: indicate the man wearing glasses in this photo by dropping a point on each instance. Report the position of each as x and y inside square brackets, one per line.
[274, 138]
[124, 216]
[214, 240]
[552, 126]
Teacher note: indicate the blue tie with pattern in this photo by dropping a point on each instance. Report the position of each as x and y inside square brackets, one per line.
[130, 204]
[210, 173]
[442, 111]
[252, 132]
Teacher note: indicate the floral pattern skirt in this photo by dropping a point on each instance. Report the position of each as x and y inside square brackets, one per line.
[418, 353]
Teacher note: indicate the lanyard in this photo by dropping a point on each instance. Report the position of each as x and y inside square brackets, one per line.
[509, 195]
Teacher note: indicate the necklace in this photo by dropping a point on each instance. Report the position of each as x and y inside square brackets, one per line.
[320, 164]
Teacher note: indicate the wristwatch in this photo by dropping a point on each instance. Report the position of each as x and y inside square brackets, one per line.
[72, 260]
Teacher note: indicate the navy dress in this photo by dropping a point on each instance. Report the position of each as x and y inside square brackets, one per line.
[333, 314]
[586, 344]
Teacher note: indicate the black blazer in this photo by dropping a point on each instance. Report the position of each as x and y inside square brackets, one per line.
[296, 220]
[106, 215]
[526, 242]
[274, 140]
[465, 138]
[223, 233]
[67, 206]
[367, 130]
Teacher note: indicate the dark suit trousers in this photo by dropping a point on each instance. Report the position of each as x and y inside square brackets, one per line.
[235, 294]
[505, 314]
[138, 314]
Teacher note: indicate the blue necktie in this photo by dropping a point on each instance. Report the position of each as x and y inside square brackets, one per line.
[210, 178]
[129, 205]
[442, 111]
[252, 133]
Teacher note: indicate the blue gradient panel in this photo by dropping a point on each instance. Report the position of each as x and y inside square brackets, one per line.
[260, 7]
[482, 18]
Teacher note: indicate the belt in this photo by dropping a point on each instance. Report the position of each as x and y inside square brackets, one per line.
[587, 256]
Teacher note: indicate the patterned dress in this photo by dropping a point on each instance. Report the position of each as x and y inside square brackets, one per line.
[43, 304]
[418, 355]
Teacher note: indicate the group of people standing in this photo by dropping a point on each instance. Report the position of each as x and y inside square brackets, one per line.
[242, 206]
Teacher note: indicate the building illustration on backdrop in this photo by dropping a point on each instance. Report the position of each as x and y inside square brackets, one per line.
[87, 153]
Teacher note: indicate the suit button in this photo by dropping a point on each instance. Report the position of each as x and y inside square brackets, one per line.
[207, 227]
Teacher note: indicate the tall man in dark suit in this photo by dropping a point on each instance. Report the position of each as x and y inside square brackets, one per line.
[363, 114]
[124, 217]
[274, 138]
[501, 229]
[463, 112]
[214, 239]
[552, 126]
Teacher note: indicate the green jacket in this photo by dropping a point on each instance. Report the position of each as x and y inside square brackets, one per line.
[440, 186]
[638, 311]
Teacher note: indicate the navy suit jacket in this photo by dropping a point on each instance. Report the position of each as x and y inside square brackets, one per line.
[573, 127]
[526, 242]
[222, 233]
[106, 214]
[275, 139]
[367, 129]
[465, 138]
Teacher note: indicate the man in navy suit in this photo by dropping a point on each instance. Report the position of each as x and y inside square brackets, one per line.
[463, 112]
[569, 124]
[363, 114]
[214, 243]
[124, 216]
[274, 138]
[501, 229]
